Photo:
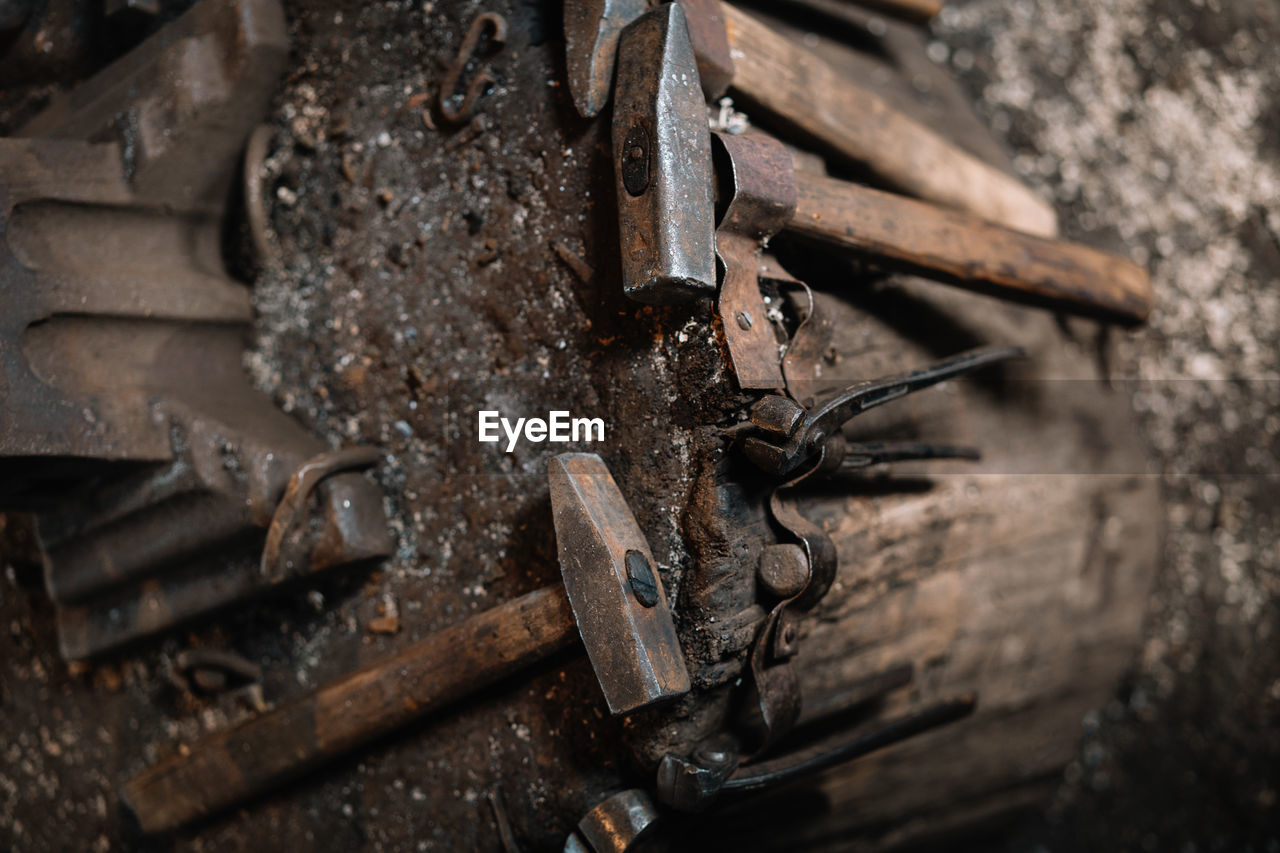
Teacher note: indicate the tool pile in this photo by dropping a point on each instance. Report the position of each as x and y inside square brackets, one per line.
[191, 492]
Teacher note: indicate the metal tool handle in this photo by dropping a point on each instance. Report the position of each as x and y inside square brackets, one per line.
[959, 249]
[257, 756]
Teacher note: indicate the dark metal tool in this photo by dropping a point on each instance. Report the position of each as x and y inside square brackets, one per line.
[787, 435]
[847, 747]
[129, 426]
[806, 97]
[662, 155]
[715, 770]
[763, 193]
[760, 205]
[617, 598]
[622, 618]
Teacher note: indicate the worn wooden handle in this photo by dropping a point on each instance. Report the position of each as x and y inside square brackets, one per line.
[783, 80]
[265, 751]
[912, 10]
[916, 11]
[960, 249]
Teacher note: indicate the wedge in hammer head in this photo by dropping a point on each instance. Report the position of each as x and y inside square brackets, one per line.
[613, 586]
[662, 154]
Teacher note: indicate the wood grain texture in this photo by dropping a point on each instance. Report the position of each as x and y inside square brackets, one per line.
[787, 83]
[911, 10]
[960, 249]
[255, 757]
[1022, 577]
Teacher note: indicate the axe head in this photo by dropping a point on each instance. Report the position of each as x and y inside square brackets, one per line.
[613, 587]
[662, 155]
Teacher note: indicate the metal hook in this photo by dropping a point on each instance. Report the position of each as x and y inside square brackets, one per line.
[498, 35]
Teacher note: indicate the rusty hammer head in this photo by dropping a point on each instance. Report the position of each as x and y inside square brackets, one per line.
[613, 586]
[662, 155]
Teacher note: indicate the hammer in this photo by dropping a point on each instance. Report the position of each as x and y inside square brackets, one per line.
[621, 615]
[666, 175]
[777, 78]
[763, 193]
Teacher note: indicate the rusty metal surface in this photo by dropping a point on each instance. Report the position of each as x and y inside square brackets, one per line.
[621, 607]
[761, 200]
[591, 30]
[662, 151]
[182, 103]
[616, 825]
[122, 339]
[805, 358]
[495, 27]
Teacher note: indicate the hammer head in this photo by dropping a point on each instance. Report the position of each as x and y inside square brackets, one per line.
[662, 154]
[613, 587]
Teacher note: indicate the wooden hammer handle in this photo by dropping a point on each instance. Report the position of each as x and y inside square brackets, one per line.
[227, 767]
[959, 249]
[782, 79]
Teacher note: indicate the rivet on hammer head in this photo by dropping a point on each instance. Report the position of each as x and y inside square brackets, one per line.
[644, 586]
[744, 320]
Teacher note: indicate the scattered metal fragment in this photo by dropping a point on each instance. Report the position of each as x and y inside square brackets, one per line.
[573, 261]
[496, 26]
[506, 834]
[478, 125]
[293, 504]
[213, 670]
